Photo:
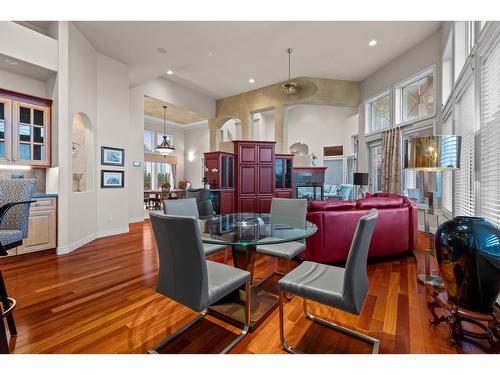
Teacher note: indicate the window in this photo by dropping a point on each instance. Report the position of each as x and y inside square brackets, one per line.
[152, 139]
[378, 112]
[464, 41]
[417, 99]
[376, 167]
[148, 141]
[156, 174]
[490, 136]
[464, 177]
[446, 176]
[446, 70]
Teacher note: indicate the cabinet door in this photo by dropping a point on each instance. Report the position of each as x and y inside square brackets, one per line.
[287, 174]
[266, 179]
[42, 232]
[279, 173]
[226, 202]
[247, 154]
[266, 153]
[247, 204]
[264, 204]
[247, 179]
[30, 134]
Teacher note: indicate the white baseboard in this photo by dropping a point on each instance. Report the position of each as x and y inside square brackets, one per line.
[112, 232]
[136, 220]
[75, 245]
[91, 237]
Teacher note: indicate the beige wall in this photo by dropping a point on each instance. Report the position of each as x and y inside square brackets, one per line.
[320, 126]
[196, 142]
[312, 91]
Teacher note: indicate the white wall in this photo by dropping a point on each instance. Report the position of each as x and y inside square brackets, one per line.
[196, 142]
[320, 126]
[112, 127]
[22, 84]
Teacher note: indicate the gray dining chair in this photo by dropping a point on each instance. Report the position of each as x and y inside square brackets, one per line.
[188, 207]
[185, 275]
[203, 201]
[290, 212]
[342, 288]
[15, 199]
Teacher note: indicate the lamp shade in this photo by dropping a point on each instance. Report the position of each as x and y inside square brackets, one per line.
[360, 179]
[433, 153]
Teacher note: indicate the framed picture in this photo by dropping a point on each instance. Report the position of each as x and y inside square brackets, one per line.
[112, 156]
[112, 179]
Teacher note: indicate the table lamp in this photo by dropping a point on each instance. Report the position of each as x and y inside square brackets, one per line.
[361, 179]
[431, 154]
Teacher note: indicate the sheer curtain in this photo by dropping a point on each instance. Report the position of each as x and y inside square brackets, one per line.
[391, 161]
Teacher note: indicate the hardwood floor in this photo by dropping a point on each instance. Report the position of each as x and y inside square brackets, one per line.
[101, 299]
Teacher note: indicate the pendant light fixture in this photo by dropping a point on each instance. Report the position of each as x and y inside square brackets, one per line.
[165, 148]
[289, 87]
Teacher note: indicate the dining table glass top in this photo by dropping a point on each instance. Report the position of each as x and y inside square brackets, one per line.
[250, 229]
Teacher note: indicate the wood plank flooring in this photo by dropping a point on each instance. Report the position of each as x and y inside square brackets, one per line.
[101, 299]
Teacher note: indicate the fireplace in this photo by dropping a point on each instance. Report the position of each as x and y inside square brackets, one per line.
[308, 182]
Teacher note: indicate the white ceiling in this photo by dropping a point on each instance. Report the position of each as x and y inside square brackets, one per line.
[243, 50]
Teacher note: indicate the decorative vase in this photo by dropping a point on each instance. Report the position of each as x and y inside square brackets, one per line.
[468, 253]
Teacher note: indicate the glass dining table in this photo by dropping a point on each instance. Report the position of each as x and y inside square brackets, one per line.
[244, 232]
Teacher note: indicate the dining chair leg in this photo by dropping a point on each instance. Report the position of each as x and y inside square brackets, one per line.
[228, 347]
[4, 345]
[350, 332]
[281, 314]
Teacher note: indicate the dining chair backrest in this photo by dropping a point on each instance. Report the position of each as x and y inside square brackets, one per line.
[181, 207]
[17, 190]
[356, 282]
[183, 273]
[289, 211]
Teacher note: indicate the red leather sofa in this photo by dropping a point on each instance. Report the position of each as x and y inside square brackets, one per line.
[395, 231]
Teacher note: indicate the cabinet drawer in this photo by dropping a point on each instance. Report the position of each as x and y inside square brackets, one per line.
[43, 204]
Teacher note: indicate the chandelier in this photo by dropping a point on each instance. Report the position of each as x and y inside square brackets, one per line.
[164, 147]
[289, 87]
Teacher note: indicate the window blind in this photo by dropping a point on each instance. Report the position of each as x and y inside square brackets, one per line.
[464, 177]
[490, 136]
[446, 176]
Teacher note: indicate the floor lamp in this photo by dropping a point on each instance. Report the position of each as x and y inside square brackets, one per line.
[431, 154]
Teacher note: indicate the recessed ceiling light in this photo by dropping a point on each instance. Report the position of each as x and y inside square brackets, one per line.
[11, 62]
[211, 53]
[169, 72]
[372, 42]
[251, 80]
[161, 50]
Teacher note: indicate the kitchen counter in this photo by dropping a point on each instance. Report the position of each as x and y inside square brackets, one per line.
[44, 195]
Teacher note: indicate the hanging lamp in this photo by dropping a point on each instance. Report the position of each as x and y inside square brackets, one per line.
[165, 148]
[289, 87]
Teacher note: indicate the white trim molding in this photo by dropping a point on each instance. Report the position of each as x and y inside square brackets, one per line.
[194, 125]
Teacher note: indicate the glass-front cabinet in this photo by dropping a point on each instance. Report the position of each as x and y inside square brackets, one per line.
[284, 173]
[219, 169]
[24, 131]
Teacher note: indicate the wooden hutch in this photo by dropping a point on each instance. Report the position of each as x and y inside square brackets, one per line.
[248, 179]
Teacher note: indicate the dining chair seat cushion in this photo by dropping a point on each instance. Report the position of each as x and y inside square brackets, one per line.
[8, 236]
[287, 250]
[223, 279]
[318, 282]
[211, 249]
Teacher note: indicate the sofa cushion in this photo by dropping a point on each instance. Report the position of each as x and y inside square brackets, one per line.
[331, 206]
[406, 201]
[379, 202]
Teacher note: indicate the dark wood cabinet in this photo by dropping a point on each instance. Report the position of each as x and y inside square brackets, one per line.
[284, 175]
[222, 201]
[219, 169]
[255, 175]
